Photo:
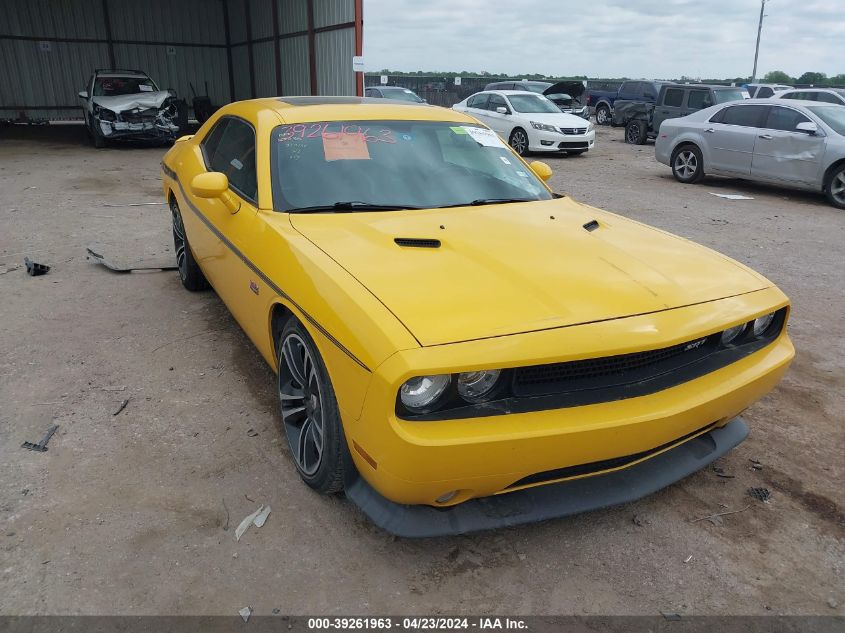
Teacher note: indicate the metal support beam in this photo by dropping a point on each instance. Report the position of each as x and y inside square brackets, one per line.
[359, 44]
[249, 49]
[312, 50]
[109, 40]
[277, 48]
[229, 50]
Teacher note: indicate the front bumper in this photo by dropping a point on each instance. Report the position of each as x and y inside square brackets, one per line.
[551, 501]
[140, 131]
[544, 141]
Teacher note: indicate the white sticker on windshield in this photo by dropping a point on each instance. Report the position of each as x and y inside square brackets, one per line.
[485, 137]
[145, 88]
[505, 160]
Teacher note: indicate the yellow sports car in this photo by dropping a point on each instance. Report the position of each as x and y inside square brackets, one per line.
[458, 347]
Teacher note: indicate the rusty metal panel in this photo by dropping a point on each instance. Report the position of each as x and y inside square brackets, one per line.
[178, 68]
[186, 21]
[48, 18]
[293, 16]
[240, 70]
[237, 21]
[261, 18]
[295, 70]
[31, 76]
[331, 12]
[334, 62]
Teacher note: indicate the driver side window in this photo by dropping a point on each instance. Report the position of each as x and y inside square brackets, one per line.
[230, 149]
[497, 101]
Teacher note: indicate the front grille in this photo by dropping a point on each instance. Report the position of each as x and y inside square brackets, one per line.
[573, 130]
[574, 145]
[140, 116]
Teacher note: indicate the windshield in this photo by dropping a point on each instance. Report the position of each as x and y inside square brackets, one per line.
[532, 103]
[399, 164]
[538, 88]
[115, 86]
[723, 96]
[401, 95]
[833, 115]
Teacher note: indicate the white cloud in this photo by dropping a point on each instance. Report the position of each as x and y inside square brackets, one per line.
[604, 38]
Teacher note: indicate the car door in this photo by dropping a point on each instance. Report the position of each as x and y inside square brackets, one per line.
[730, 135]
[500, 123]
[477, 107]
[782, 153]
[228, 148]
[671, 104]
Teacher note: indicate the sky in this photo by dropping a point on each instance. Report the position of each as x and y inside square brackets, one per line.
[605, 38]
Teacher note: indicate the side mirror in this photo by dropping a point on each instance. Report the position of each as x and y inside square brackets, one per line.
[543, 171]
[808, 127]
[502, 110]
[83, 94]
[214, 185]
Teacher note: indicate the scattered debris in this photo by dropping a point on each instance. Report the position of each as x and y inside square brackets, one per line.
[34, 269]
[641, 520]
[115, 388]
[226, 526]
[719, 514]
[252, 432]
[831, 602]
[257, 518]
[720, 472]
[688, 558]
[756, 464]
[245, 613]
[731, 196]
[277, 611]
[100, 259]
[8, 269]
[42, 445]
[121, 407]
[761, 494]
[668, 615]
[133, 204]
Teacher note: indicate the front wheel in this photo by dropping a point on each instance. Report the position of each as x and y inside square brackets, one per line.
[189, 271]
[635, 132]
[310, 416]
[519, 141]
[835, 187]
[603, 115]
[687, 164]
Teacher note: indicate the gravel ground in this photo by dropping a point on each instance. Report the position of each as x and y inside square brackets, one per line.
[134, 513]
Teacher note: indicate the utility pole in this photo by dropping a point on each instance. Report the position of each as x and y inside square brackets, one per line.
[757, 48]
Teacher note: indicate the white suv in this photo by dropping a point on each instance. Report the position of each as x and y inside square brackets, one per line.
[825, 95]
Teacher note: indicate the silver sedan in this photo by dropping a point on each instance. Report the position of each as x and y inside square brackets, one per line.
[798, 144]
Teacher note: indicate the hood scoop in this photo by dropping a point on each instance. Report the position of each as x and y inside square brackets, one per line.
[591, 226]
[417, 242]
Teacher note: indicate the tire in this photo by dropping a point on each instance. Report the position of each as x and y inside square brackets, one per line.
[635, 132]
[97, 138]
[834, 186]
[602, 115]
[519, 141]
[687, 164]
[310, 417]
[189, 271]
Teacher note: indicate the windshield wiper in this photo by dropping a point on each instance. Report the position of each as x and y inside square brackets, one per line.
[351, 206]
[482, 201]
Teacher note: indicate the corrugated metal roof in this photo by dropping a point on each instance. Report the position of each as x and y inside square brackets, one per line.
[293, 16]
[48, 18]
[237, 20]
[193, 21]
[261, 18]
[334, 62]
[331, 12]
[240, 71]
[296, 76]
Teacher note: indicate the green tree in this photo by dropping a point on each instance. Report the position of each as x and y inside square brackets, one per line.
[777, 77]
[837, 80]
[812, 78]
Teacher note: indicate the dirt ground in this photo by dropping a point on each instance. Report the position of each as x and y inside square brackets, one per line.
[134, 513]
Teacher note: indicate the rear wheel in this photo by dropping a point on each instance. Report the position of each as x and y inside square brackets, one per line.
[189, 271]
[310, 415]
[835, 187]
[603, 115]
[635, 132]
[519, 141]
[687, 164]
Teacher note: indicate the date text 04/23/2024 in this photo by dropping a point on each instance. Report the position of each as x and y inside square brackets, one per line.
[417, 623]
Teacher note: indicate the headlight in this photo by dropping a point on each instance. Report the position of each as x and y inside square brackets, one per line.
[421, 393]
[477, 386]
[762, 324]
[104, 114]
[732, 333]
[543, 126]
[589, 127]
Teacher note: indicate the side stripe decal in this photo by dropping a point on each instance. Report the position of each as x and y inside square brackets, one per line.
[172, 174]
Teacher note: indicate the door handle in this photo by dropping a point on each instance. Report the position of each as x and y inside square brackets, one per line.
[710, 130]
[768, 137]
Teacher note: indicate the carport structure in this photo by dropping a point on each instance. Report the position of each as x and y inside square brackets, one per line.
[241, 49]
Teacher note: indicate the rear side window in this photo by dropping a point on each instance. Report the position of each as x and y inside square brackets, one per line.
[795, 95]
[649, 91]
[629, 87]
[745, 116]
[785, 119]
[699, 99]
[826, 97]
[497, 101]
[764, 92]
[673, 98]
[230, 149]
[478, 101]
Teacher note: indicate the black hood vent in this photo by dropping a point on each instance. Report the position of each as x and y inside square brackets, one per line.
[416, 242]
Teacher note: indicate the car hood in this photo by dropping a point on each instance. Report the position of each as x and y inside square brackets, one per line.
[572, 88]
[121, 103]
[512, 268]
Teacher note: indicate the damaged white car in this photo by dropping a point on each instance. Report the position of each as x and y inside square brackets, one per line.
[127, 104]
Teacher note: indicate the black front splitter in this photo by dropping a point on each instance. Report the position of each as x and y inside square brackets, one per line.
[549, 501]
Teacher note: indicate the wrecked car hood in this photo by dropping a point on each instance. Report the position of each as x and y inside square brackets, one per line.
[572, 88]
[143, 100]
[511, 268]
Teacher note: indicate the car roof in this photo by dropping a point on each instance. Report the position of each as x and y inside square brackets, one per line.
[303, 109]
[710, 86]
[508, 93]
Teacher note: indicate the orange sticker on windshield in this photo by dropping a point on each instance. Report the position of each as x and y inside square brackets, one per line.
[345, 146]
